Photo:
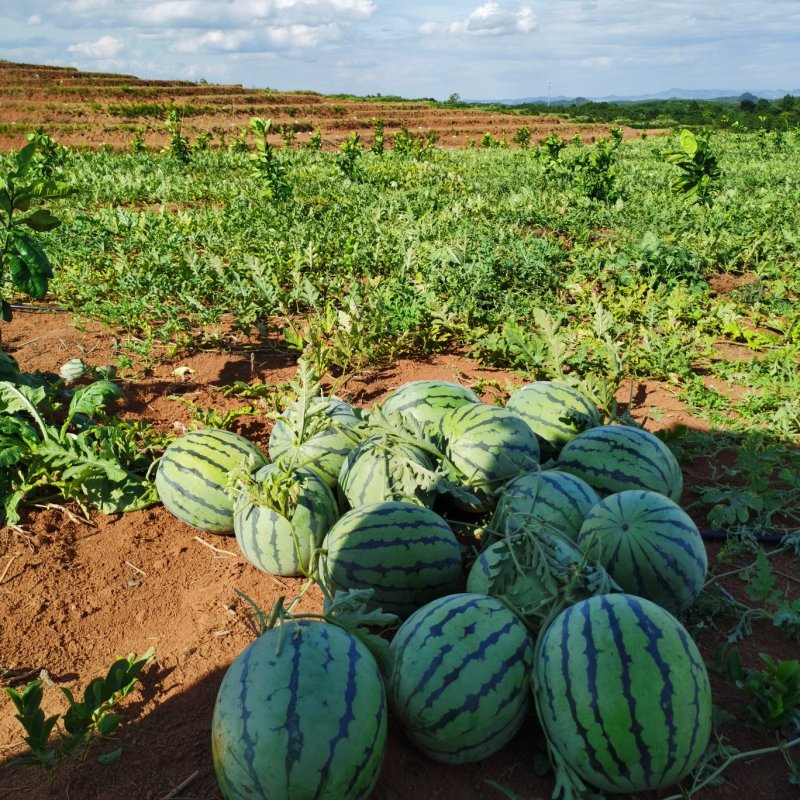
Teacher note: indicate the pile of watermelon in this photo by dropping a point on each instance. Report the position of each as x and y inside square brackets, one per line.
[533, 557]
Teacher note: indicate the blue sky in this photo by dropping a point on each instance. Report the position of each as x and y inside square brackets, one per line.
[480, 50]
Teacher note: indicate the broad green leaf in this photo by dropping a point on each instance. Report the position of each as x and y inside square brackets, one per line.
[41, 220]
[5, 312]
[9, 369]
[27, 280]
[90, 399]
[688, 142]
[15, 398]
[25, 156]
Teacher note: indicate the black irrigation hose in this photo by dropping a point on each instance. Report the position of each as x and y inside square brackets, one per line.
[26, 307]
[771, 538]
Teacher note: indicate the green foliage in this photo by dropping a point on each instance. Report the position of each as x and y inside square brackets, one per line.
[774, 692]
[378, 137]
[315, 142]
[137, 142]
[350, 153]
[202, 144]
[699, 169]
[58, 439]
[179, 147]
[84, 722]
[24, 266]
[267, 165]
[522, 137]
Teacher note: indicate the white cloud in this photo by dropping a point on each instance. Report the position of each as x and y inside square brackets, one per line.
[486, 20]
[35, 19]
[106, 47]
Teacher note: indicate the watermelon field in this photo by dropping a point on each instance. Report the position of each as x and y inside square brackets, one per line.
[370, 467]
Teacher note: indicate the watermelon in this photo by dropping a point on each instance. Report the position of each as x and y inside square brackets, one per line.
[282, 518]
[613, 458]
[381, 468]
[543, 500]
[459, 677]
[420, 405]
[406, 553]
[649, 545]
[486, 446]
[192, 476]
[327, 437]
[622, 693]
[556, 412]
[300, 715]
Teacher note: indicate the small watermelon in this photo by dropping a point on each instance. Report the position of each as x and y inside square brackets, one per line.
[556, 412]
[459, 679]
[300, 715]
[613, 458]
[622, 693]
[281, 517]
[407, 553]
[192, 476]
[649, 545]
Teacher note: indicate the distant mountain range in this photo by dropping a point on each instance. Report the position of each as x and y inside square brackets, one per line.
[669, 94]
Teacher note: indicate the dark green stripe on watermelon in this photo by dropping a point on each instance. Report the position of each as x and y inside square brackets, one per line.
[622, 693]
[301, 713]
[406, 553]
[192, 476]
[459, 677]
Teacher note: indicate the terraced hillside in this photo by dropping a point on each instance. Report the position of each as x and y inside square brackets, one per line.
[90, 109]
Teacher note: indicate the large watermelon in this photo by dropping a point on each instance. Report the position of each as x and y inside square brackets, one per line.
[406, 553]
[421, 404]
[613, 458]
[649, 545]
[487, 446]
[543, 500]
[459, 680]
[555, 411]
[192, 476]
[623, 694]
[300, 715]
[322, 443]
[282, 517]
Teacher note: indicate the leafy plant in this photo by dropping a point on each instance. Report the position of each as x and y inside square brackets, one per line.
[85, 456]
[267, 165]
[24, 266]
[179, 147]
[774, 692]
[84, 722]
[699, 169]
[210, 417]
[378, 137]
[522, 137]
[350, 153]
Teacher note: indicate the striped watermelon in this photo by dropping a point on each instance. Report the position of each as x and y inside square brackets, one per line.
[280, 540]
[487, 446]
[300, 715]
[459, 679]
[192, 476]
[622, 693]
[322, 445]
[421, 404]
[613, 458]
[555, 411]
[649, 545]
[405, 552]
[380, 468]
[543, 500]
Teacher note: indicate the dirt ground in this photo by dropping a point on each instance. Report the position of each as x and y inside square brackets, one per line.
[81, 109]
[75, 594]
